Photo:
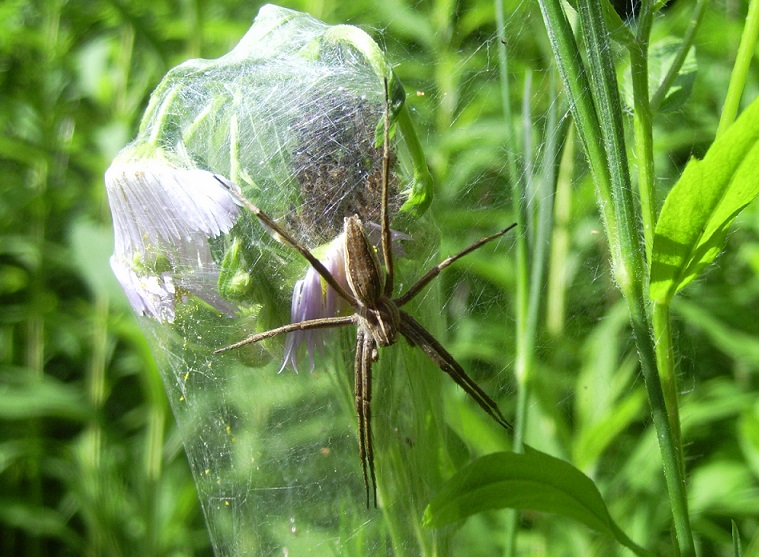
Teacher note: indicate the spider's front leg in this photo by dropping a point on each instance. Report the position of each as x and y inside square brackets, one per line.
[323, 323]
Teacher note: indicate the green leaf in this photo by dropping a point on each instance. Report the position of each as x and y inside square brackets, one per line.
[24, 396]
[661, 57]
[697, 213]
[36, 520]
[737, 549]
[532, 480]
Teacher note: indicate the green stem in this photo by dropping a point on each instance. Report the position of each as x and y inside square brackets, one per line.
[740, 71]
[503, 67]
[524, 353]
[642, 123]
[422, 187]
[670, 449]
[523, 347]
[629, 269]
[573, 74]
[532, 251]
[600, 128]
[665, 361]
[557, 269]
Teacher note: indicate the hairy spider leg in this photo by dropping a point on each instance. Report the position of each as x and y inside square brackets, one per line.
[418, 336]
[419, 285]
[387, 240]
[366, 350]
[284, 237]
[321, 323]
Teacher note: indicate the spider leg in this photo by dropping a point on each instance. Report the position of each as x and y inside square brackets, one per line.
[365, 349]
[421, 337]
[435, 271]
[284, 237]
[370, 355]
[387, 241]
[358, 392]
[300, 326]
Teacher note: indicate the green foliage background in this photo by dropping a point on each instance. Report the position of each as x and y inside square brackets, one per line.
[90, 460]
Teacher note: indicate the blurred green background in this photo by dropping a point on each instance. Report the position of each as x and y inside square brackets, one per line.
[91, 462]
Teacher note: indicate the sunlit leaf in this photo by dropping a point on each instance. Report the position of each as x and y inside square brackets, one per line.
[532, 480]
[697, 213]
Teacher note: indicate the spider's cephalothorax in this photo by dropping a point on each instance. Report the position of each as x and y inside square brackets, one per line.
[377, 314]
[383, 321]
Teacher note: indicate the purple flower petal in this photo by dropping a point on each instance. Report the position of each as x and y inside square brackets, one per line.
[163, 217]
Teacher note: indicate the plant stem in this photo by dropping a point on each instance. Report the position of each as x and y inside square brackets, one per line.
[422, 187]
[557, 274]
[665, 361]
[630, 270]
[740, 71]
[524, 349]
[535, 221]
[572, 70]
[601, 117]
[503, 67]
[642, 122]
[643, 126]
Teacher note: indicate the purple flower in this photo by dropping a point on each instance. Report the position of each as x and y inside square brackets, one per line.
[314, 299]
[163, 218]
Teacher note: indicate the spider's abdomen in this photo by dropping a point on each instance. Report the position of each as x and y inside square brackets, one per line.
[362, 267]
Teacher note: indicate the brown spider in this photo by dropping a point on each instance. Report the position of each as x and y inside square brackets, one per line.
[378, 316]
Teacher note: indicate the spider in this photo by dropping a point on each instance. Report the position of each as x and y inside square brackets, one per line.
[378, 316]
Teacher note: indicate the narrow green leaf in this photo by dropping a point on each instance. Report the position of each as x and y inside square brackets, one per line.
[698, 211]
[24, 397]
[617, 27]
[36, 520]
[737, 549]
[532, 480]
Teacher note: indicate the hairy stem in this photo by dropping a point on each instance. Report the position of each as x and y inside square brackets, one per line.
[642, 123]
[740, 71]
